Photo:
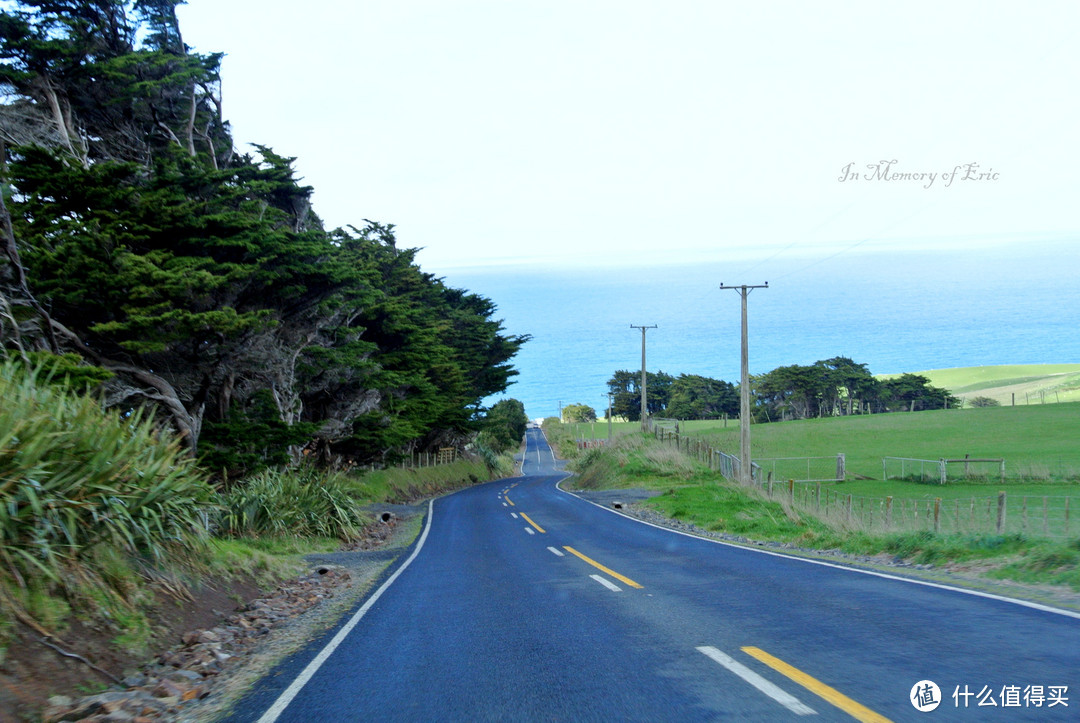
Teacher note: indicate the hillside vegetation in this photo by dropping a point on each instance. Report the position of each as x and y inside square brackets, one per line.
[1024, 383]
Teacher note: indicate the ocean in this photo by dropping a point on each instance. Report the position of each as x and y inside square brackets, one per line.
[893, 311]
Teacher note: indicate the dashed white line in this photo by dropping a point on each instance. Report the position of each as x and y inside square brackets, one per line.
[505, 505]
[556, 552]
[606, 583]
[776, 693]
[514, 515]
[530, 530]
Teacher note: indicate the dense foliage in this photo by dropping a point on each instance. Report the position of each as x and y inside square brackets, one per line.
[503, 427]
[687, 396]
[200, 278]
[578, 413]
[73, 477]
[833, 387]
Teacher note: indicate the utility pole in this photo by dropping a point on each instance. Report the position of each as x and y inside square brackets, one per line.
[745, 469]
[644, 408]
[609, 395]
[560, 410]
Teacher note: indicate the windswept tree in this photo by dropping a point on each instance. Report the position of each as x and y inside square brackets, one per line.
[625, 386]
[201, 278]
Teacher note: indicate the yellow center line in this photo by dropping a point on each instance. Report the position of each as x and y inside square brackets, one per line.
[538, 527]
[815, 686]
[509, 500]
[600, 567]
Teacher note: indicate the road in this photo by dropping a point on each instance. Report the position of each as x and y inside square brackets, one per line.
[523, 602]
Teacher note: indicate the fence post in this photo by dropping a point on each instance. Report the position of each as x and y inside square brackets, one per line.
[937, 515]
[791, 490]
[770, 488]
[941, 470]
[1001, 512]
[849, 508]
[817, 497]
[888, 512]
[841, 467]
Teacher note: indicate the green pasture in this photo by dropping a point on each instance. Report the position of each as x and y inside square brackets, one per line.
[1040, 443]
[1022, 384]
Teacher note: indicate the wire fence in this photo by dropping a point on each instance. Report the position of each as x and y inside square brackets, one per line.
[806, 484]
[1003, 513]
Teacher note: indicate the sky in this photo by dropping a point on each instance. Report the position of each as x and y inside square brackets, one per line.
[594, 134]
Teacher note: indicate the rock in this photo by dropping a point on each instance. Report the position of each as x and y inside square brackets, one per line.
[184, 676]
[167, 689]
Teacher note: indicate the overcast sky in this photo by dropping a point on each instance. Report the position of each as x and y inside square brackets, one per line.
[585, 133]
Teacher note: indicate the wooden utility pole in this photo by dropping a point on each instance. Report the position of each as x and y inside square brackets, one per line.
[609, 395]
[745, 469]
[644, 408]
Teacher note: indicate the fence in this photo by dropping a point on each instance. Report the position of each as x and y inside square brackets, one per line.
[805, 469]
[1030, 515]
[444, 455]
[939, 471]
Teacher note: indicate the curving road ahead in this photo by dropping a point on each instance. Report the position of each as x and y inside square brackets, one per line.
[524, 602]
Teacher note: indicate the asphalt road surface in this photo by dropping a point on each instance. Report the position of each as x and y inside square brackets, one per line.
[523, 602]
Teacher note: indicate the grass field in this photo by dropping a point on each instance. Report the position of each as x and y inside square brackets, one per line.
[1040, 443]
[1021, 384]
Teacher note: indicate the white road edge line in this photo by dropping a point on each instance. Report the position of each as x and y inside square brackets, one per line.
[530, 530]
[274, 711]
[885, 575]
[776, 693]
[514, 515]
[606, 583]
[555, 551]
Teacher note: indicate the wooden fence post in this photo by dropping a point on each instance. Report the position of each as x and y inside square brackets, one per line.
[888, 512]
[1001, 512]
[937, 515]
[791, 490]
[841, 467]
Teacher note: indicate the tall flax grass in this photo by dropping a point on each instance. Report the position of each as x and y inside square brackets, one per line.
[73, 477]
[300, 502]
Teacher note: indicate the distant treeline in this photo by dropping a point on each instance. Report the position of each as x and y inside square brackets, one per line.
[833, 387]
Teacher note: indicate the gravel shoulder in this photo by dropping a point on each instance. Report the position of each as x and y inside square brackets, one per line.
[203, 676]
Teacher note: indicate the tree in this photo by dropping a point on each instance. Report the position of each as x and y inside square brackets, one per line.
[578, 413]
[697, 397]
[503, 426]
[200, 279]
[625, 387]
[912, 392]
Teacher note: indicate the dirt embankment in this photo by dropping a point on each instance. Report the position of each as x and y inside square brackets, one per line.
[210, 648]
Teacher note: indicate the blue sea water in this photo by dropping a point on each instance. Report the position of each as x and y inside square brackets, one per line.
[895, 312]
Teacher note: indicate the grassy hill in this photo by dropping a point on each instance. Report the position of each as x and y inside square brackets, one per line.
[1019, 383]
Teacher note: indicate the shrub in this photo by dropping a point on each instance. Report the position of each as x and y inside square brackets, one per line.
[300, 502]
[73, 476]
